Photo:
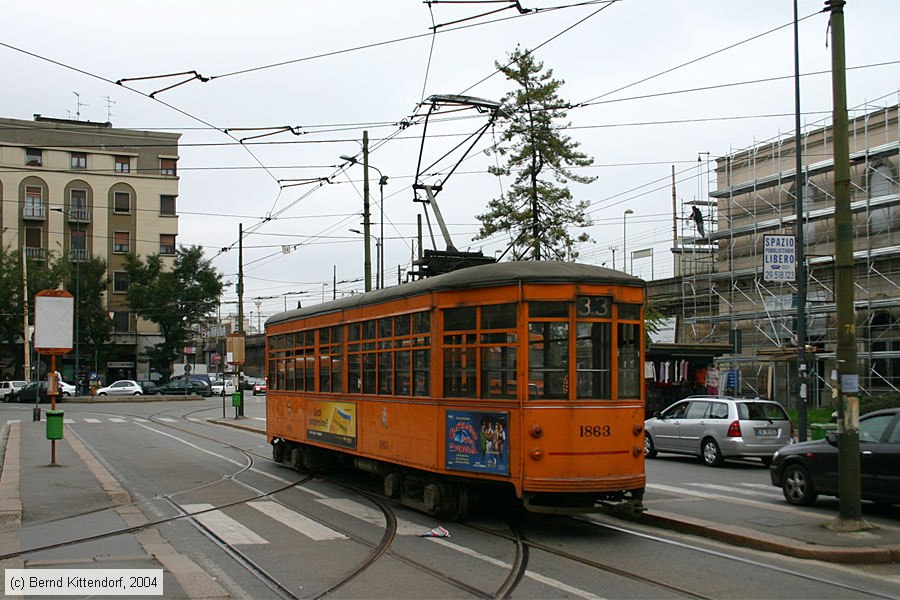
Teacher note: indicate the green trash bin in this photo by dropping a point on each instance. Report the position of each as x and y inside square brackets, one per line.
[237, 399]
[55, 424]
[819, 430]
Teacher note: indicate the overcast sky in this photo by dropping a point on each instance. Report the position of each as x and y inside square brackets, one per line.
[649, 73]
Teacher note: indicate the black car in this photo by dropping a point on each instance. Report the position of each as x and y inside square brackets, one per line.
[28, 392]
[805, 470]
[179, 387]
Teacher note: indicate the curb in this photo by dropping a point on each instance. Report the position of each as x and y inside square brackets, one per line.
[756, 540]
[237, 425]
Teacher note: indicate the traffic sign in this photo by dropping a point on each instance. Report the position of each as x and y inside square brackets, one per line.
[779, 258]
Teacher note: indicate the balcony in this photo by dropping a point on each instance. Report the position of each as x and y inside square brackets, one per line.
[79, 215]
[34, 212]
[78, 254]
[35, 253]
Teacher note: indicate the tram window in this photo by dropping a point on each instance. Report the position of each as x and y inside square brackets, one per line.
[422, 322]
[309, 338]
[545, 310]
[325, 373]
[402, 373]
[337, 385]
[593, 348]
[385, 373]
[368, 330]
[548, 358]
[629, 312]
[354, 372]
[401, 325]
[385, 327]
[282, 375]
[459, 372]
[368, 385]
[460, 319]
[335, 334]
[629, 352]
[354, 331]
[498, 372]
[289, 382]
[421, 372]
[309, 370]
[498, 316]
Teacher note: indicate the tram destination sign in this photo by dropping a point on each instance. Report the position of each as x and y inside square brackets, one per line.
[779, 258]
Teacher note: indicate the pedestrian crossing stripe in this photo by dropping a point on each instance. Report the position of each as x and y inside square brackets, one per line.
[299, 523]
[227, 529]
[86, 420]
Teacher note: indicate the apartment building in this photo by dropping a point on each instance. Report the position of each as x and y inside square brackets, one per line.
[90, 190]
[755, 196]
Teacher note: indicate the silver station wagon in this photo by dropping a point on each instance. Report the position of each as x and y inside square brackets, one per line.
[715, 428]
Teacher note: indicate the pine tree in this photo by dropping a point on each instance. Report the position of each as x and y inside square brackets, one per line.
[537, 210]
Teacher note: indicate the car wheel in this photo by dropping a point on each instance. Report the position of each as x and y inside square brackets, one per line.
[710, 453]
[136, 394]
[102, 394]
[649, 448]
[66, 394]
[766, 460]
[797, 486]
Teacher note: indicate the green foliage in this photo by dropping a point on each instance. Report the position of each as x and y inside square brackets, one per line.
[653, 320]
[176, 300]
[42, 275]
[537, 210]
[87, 282]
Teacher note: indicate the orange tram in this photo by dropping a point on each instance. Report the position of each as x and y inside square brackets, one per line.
[525, 375]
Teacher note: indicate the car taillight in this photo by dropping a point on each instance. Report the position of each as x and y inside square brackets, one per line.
[734, 430]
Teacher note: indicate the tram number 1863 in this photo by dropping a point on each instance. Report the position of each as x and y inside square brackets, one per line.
[594, 431]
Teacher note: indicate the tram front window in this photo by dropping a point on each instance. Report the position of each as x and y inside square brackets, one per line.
[548, 359]
[593, 348]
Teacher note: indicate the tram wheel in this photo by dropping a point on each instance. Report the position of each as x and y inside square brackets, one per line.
[297, 458]
[278, 452]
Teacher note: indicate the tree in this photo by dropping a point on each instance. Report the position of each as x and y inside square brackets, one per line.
[87, 281]
[177, 300]
[538, 209]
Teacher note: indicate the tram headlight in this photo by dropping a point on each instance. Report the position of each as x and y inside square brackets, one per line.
[536, 453]
[536, 431]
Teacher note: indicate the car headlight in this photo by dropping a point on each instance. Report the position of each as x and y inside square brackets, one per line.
[775, 456]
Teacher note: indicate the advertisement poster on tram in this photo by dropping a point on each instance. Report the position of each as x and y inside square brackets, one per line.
[478, 441]
[332, 422]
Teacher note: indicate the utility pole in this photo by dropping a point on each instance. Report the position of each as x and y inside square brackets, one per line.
[850, 515]
[802, 378]
[240, 327]
[367, 225]
[26, 337]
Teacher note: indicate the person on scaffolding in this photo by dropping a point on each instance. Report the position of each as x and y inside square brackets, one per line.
[697, 216]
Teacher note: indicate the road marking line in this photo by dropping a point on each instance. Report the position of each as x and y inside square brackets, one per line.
[115, 420]
[259, 418]
[226, 528]
[296, 521]
[370, 515]
[11, 421]
[69, 421]
[725, 488]
[548, 581]
[87, 420]
[168, 420]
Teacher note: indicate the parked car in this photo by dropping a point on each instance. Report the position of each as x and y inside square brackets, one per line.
[259, 388]
[248, 382]
[715, 428]
[66, 389]
[29, 391]
[8, 388]
[123, 387]
[218, 384]
[147, 386]
[180, 387]
[804, 471]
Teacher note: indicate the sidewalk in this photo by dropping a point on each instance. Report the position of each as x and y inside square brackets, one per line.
[45, 509]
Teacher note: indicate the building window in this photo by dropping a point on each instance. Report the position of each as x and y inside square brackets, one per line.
[34, 202]
[167, 205]
[77, 245]
[167, 166]
[121, 202]
[120, 281]
[32, 237]
[123, 164]
[79, 160]
[78, 205]
[121, 322]
[167, 244]
[120, 242]
[34, 157]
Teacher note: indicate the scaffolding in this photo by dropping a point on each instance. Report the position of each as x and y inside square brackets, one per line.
[724, 296]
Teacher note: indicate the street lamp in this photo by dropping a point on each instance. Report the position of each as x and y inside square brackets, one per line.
[628, 211]
[379, 263]
[382, 181]
[77, 241]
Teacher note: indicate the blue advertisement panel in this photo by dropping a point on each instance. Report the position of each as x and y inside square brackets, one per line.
[478, 441]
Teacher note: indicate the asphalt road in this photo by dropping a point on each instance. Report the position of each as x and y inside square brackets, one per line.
[262, 530]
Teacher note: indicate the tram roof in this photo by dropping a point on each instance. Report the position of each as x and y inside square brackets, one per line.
[495, 274]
